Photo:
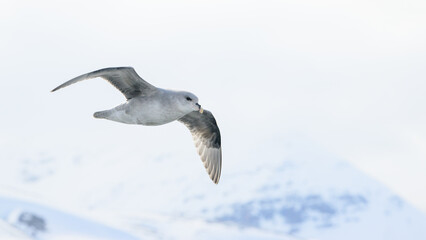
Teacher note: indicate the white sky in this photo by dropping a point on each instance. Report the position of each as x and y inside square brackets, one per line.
[349, 75]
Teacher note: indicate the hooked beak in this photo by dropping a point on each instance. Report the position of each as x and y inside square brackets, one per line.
[201, 110]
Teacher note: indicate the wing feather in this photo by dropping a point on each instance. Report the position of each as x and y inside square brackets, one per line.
[206, 136]
[125, 79]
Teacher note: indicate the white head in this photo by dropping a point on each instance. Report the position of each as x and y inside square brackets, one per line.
[188, 102]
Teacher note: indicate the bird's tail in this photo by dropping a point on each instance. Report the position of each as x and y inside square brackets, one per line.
[117, 114]
[102, 114]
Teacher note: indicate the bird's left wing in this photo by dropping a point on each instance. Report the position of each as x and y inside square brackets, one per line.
[206, 135]
[125, 79]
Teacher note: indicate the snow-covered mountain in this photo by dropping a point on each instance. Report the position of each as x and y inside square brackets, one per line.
[279, 190]
[23, 220]
[36, 221]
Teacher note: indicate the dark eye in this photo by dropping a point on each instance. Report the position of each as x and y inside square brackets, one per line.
[188, 98]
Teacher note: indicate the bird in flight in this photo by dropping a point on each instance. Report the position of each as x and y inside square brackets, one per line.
[151, 106]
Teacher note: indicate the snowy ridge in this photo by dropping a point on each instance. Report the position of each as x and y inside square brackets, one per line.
[36, 221]
[7, 231]
[291, 190]
[26, 221]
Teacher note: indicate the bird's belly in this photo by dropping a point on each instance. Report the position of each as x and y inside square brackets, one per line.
[152, 114]
[148, 120]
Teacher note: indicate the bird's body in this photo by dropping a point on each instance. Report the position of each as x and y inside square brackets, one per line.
[158, 108]
[151, 106]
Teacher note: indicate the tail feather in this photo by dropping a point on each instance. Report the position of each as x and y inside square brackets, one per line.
[117, 114]
[101, 114]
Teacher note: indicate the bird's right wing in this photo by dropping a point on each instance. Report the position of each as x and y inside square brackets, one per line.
[206, 135]
[124, 79]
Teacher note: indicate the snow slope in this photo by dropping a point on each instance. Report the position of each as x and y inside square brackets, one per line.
[280, 189]
[23, 220]
[36, 221]
[9, 232]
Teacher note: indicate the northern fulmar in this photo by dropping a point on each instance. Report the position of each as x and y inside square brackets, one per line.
[150, 106]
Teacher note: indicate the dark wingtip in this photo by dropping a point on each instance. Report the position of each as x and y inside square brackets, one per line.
[216, 179]
[56, 88]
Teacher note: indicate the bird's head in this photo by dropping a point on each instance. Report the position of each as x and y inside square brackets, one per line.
[189, 102]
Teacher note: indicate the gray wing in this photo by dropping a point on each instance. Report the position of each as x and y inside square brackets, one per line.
[206, 135]
[124, 79]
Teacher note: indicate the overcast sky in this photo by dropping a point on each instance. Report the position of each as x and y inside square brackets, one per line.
[348, 75]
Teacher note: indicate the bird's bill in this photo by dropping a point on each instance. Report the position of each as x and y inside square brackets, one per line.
[201, 110]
